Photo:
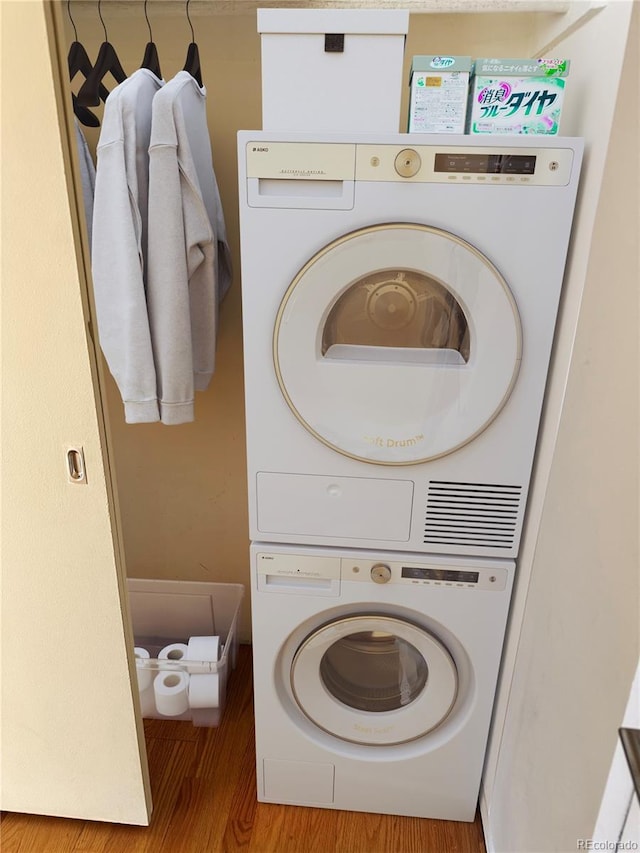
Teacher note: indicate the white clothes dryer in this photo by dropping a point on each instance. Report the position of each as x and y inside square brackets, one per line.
[399, 299]
[374, 677]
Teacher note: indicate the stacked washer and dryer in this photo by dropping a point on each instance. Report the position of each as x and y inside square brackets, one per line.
[400, 295]
[399, 299]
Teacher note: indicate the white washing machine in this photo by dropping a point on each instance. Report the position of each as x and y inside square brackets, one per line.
[399, 299]
[374, 677]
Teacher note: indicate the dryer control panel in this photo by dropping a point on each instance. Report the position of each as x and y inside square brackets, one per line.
[503, 163]
[459, 164]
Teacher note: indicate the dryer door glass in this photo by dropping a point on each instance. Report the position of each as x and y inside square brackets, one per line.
[374, 679]
[413, 317]
[397, 344]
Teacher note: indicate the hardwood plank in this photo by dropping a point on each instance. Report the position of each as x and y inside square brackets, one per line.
[226, 743]
[200, 819]
[98, 838]
[242, 814]
[374, 833]
[204, 794]
[458, 837]
[294, 829]
[25, 833]
[169, 762]
[171, 730]
[196, 820]
[359, 832]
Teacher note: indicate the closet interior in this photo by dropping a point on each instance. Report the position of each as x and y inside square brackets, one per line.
[181, 491]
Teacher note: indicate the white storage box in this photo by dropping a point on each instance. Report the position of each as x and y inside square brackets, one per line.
[332, 70]
[165, 615]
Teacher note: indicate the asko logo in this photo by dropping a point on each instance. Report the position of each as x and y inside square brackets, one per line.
[442, 62]
[257, 148]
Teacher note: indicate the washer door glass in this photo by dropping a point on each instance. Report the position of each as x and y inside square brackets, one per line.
[374, 680]
[397, 344]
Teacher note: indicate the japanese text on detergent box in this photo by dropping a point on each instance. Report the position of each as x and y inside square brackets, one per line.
[517, 96]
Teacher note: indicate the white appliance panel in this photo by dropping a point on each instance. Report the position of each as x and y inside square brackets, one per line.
[302, 421]
[335, 728]
[355, 507]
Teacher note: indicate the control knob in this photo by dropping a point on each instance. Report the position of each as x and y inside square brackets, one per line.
[380, 573]
[408, 163]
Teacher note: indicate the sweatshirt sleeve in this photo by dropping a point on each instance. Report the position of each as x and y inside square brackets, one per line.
[174, 255]
[117, 269]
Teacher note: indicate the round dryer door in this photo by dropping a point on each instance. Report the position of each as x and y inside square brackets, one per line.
[397, 344]
[374, 679]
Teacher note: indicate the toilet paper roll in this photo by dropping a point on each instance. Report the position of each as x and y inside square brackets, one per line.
[203, 648]
[148, 702]
[171, 692]
[204, 691]
[175, 651]
[145, 674]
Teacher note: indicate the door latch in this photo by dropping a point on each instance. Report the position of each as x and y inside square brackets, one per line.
[76, 471]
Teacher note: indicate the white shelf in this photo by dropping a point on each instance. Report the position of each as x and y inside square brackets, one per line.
[160, 8]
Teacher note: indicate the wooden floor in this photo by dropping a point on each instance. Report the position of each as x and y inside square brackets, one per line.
[204, 796]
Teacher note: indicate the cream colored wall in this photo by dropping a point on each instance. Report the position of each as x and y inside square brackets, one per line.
[577, 650]
[182, 489]
[71, 744]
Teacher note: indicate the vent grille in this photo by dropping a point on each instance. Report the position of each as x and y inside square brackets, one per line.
[477, 515]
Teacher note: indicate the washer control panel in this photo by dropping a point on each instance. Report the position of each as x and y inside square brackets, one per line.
[501, 163]
[424, 574]
[323, 573]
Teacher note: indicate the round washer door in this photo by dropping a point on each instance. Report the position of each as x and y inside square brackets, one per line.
[374, 679]
[397, 344]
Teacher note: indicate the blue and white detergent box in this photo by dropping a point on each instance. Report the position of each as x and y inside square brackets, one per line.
[439, 94]
[517, 96]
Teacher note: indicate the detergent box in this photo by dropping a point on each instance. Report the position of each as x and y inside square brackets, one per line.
[439, 94]
[517, 96]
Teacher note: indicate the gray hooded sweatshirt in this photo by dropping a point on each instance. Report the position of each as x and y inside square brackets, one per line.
[119, 243]
[189, 267]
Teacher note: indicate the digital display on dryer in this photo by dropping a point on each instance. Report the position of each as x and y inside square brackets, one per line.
[446, 575]
[486, 164]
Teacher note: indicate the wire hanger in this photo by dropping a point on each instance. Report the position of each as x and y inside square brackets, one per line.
[106, 62]
[79, 63]
[150, 59]
[192, 64]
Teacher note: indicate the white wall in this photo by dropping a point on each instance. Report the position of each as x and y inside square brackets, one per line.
[574, 657]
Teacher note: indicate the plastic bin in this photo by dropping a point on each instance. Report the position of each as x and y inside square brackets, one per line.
[164, 613]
